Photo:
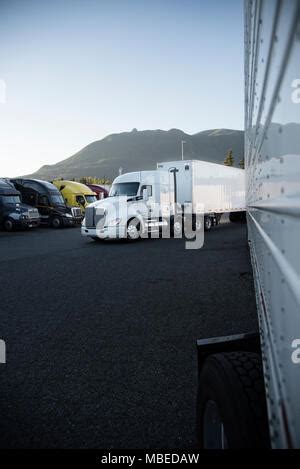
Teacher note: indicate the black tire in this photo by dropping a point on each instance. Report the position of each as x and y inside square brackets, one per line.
[56, 222]
[234, 383]
[177, 226]
[133, 229]
[197, 223]
[207, 223]
[9, 224]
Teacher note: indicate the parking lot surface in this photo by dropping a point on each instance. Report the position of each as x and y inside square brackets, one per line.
[101, 337]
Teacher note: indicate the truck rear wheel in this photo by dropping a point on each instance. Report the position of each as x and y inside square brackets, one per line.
[9, 224]
[207, 223]
[231, 410]
[176, 226]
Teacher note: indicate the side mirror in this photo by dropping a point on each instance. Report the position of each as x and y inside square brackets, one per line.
[145, 195]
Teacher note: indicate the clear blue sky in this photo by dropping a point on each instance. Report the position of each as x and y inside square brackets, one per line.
[77, 70]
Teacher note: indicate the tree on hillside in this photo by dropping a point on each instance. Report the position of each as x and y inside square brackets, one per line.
[83, 180]
[242, 163]
[229, 160]
[93, 180]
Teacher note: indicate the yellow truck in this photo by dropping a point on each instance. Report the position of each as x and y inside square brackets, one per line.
[75, 194]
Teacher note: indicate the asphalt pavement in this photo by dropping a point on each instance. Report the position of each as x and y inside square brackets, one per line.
[101, 337]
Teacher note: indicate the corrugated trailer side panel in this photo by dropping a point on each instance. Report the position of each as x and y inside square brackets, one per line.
[272, 154]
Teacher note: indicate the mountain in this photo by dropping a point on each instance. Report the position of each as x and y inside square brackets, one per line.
[141, 150]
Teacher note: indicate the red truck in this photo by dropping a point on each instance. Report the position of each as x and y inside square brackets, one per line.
[101, 192]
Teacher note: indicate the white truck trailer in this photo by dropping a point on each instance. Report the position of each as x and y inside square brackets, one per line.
[249, 385]
[221, 189]
[146, 201]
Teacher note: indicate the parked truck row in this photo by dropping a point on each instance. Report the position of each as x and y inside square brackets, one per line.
[208, 188]
[28, 203]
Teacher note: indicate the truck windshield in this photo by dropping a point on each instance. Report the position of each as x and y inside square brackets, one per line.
[124, 188]
[57, 200]
[11, 199]
[90, 198]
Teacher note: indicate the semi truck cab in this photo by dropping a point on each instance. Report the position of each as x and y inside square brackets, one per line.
[48, 200]
[100, 191]
[137, 202]
[13, 213]
[75, 193]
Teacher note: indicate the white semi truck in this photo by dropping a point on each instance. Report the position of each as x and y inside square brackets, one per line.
[145, 201]
[249, 384]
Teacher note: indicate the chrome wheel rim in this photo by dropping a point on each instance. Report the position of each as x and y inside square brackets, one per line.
[177, 227]
[132, 231]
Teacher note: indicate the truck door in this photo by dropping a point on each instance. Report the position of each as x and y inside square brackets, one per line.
[29, 196]
[44, 206]
[81, 202]
[146, 207]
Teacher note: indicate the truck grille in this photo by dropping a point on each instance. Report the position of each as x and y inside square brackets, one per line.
[76, 212]
[33, 213]
[93, 215]
[89, 217]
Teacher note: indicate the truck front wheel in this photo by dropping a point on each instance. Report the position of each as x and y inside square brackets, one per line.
[9, 224]
[133, 229]
[56, 222]
[231, 409]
